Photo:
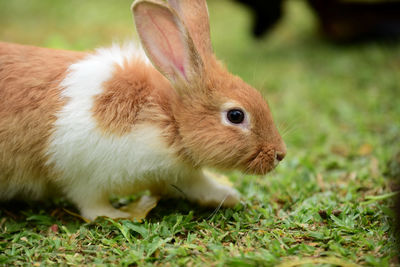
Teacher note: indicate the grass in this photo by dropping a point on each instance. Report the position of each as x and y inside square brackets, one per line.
[328, 203]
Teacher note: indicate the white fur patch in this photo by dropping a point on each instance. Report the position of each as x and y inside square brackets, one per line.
[90, 162]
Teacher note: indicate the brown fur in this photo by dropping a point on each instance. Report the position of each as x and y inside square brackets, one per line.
[138, 93]
[30, 98]
[116, 110]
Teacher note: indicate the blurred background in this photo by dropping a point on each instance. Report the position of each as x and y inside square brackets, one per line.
[332, 102]
[339, 20]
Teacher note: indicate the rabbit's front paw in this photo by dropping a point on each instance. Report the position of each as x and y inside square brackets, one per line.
[228, 196]
[207, 191]
[220, 195]
[104, 211]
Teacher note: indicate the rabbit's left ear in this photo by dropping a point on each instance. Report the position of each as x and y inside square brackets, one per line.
[167, 42]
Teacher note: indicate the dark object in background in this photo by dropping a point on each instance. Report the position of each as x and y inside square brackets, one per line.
[340, 20]
[347, 20]
[265, 14]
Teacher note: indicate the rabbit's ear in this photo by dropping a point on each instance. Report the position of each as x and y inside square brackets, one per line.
[195, 15]
[167, 42]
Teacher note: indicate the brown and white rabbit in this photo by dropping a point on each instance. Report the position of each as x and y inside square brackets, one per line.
[119, 121]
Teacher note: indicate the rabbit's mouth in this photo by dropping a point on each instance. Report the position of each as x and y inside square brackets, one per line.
[263, 161]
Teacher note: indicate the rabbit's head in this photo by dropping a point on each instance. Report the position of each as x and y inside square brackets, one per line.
[222, 121]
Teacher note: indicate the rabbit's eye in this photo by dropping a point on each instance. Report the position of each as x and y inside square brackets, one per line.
[235, 116]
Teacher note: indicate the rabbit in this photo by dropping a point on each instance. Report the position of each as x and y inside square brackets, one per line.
[120, 120]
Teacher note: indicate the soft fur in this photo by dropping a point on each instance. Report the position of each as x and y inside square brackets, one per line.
[90, 125]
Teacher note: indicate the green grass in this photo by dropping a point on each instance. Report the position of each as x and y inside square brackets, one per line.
[327, 204]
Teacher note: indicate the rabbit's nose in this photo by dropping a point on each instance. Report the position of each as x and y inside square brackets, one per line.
[279, 155]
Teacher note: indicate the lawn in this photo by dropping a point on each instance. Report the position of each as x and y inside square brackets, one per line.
[327, 204]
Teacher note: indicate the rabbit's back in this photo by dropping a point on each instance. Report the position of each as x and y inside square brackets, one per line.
[29, 99]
